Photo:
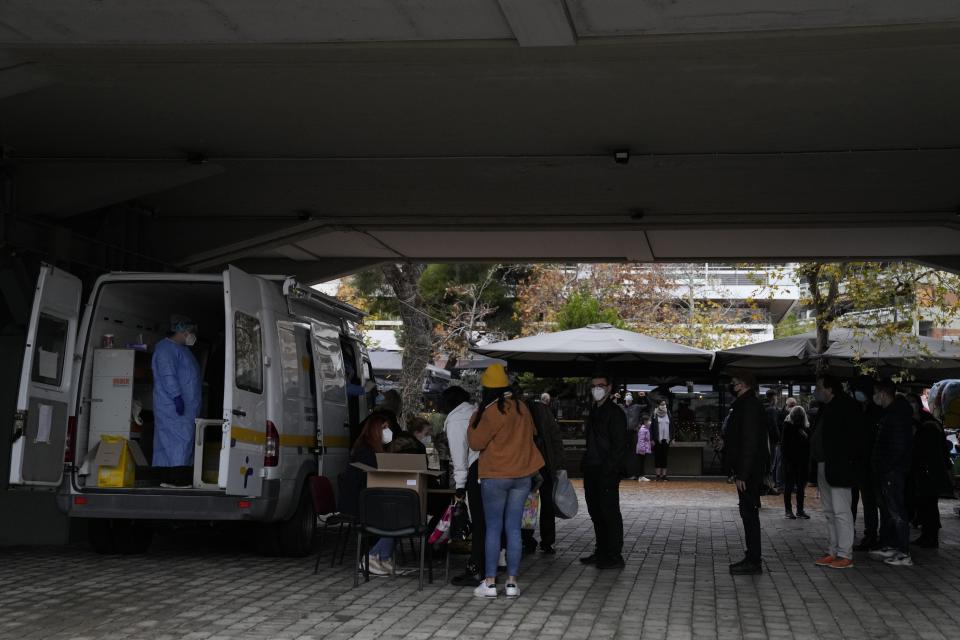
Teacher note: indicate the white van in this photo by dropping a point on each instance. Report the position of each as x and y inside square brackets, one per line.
[276, 404]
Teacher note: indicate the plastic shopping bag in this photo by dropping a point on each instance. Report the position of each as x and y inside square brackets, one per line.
[441, 532]
[565, 501]
[531, 511]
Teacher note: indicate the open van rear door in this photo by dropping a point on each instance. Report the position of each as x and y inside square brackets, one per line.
[244, 391]
[40, 430]
[333, 421]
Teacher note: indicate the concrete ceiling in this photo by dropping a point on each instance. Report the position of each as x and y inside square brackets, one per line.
[316, 137]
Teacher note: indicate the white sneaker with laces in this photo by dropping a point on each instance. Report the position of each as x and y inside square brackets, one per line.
[512, 590]
[377, 568]
[485, 590]
[883, 554]
[900, 560]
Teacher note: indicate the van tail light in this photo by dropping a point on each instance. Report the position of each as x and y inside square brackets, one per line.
[271, 450]
[70, 446]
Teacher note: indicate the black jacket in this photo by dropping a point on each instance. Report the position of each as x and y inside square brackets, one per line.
[355, 480]
[931, 464]
[548, 438]
[892, 451]
[840, 419]
[745, 443]
[867, 434]
[606, 434]
[795, 444]
[773, 425]
[406, 442]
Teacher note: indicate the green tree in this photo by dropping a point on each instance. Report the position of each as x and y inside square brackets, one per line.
[581, 310]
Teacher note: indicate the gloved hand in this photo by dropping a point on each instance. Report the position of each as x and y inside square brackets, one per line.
[461, 493]
[178, 403]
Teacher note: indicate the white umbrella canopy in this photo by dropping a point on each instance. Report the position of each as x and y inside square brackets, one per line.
[600, 347]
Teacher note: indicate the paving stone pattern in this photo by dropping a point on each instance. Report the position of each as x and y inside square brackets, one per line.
[680, 538]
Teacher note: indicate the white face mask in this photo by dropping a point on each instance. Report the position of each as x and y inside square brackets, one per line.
[387, 436]
[599, 393]
[425, 439]
[190, 340]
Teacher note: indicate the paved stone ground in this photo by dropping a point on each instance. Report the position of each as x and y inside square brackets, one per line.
[680, 537]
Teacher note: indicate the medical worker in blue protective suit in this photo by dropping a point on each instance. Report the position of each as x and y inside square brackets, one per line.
[176, 400]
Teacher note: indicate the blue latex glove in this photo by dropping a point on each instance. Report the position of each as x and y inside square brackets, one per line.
[178, 403]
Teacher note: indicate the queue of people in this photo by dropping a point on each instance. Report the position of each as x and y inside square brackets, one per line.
[868, 445]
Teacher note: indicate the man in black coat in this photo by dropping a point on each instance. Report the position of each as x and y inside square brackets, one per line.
[602, 464]
[747, 458]
[892, 456]
[865, 491]
[833, 449]
[550, 443]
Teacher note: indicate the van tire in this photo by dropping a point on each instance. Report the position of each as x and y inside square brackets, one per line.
[109, 536]
[100, 536]
[297, 534]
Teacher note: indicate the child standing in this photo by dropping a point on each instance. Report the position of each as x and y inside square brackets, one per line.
[644, 447]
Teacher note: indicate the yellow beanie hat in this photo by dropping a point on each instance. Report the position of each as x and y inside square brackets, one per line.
[495, 377]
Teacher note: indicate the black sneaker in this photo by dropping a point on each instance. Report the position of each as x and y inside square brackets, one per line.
[547, 549]
[590, 559]
[738, 564]
[789, 516]
[803, 515]
[867, 544]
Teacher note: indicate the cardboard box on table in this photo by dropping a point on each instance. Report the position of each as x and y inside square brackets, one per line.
[400, 471]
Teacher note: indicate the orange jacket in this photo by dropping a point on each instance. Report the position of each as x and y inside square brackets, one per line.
[505, 441]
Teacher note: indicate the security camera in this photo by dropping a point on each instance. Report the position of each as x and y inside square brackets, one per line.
[622, 156]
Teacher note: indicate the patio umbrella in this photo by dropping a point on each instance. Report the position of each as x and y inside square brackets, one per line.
[926, 359]
[600, 347]
[790, 357]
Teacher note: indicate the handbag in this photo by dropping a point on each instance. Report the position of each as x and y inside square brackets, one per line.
[441, 533]
[531, 509]
[565, 501]
[460, 525]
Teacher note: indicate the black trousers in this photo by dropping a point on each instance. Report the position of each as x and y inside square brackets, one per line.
[794, 481]
[928, 513]
[477, 526]
[866, 492]
[634, 463]
[661, 451]
[602, 493]
[548, 514]
[750, 514]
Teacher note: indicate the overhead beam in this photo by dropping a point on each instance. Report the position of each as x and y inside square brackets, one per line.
[18, 77]
[309, 273]
[540, 23]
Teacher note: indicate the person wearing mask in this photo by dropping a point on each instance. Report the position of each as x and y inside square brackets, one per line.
[866, 490]
[892, 456]
[418, 435]
[661, 434]
[459, 407]
[550, 443]
[502, 430]
[795, 452]
[375, 435]
[930, 472]
[832, 447]
[606, 436]
[176, 403]
[632, 412]
[747, 459]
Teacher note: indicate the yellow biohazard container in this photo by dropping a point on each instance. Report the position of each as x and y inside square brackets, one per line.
[116, 467]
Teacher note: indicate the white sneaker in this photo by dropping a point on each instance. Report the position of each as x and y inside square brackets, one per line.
[485, 590]
[386, 565]
[644, 479]
[512, 591]
[883, 554]
[376, 568]
[900, 560]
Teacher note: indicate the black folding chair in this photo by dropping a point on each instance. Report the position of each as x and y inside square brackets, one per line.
[389, 513]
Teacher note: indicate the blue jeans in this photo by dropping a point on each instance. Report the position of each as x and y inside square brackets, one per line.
[383, 549]
[503, 500]
[895, 531]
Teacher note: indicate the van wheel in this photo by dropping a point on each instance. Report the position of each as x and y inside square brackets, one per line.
[100, 535]
[297, 533]
[132, 537]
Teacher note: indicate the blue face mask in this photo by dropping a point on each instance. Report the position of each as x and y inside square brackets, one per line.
[860, 396]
